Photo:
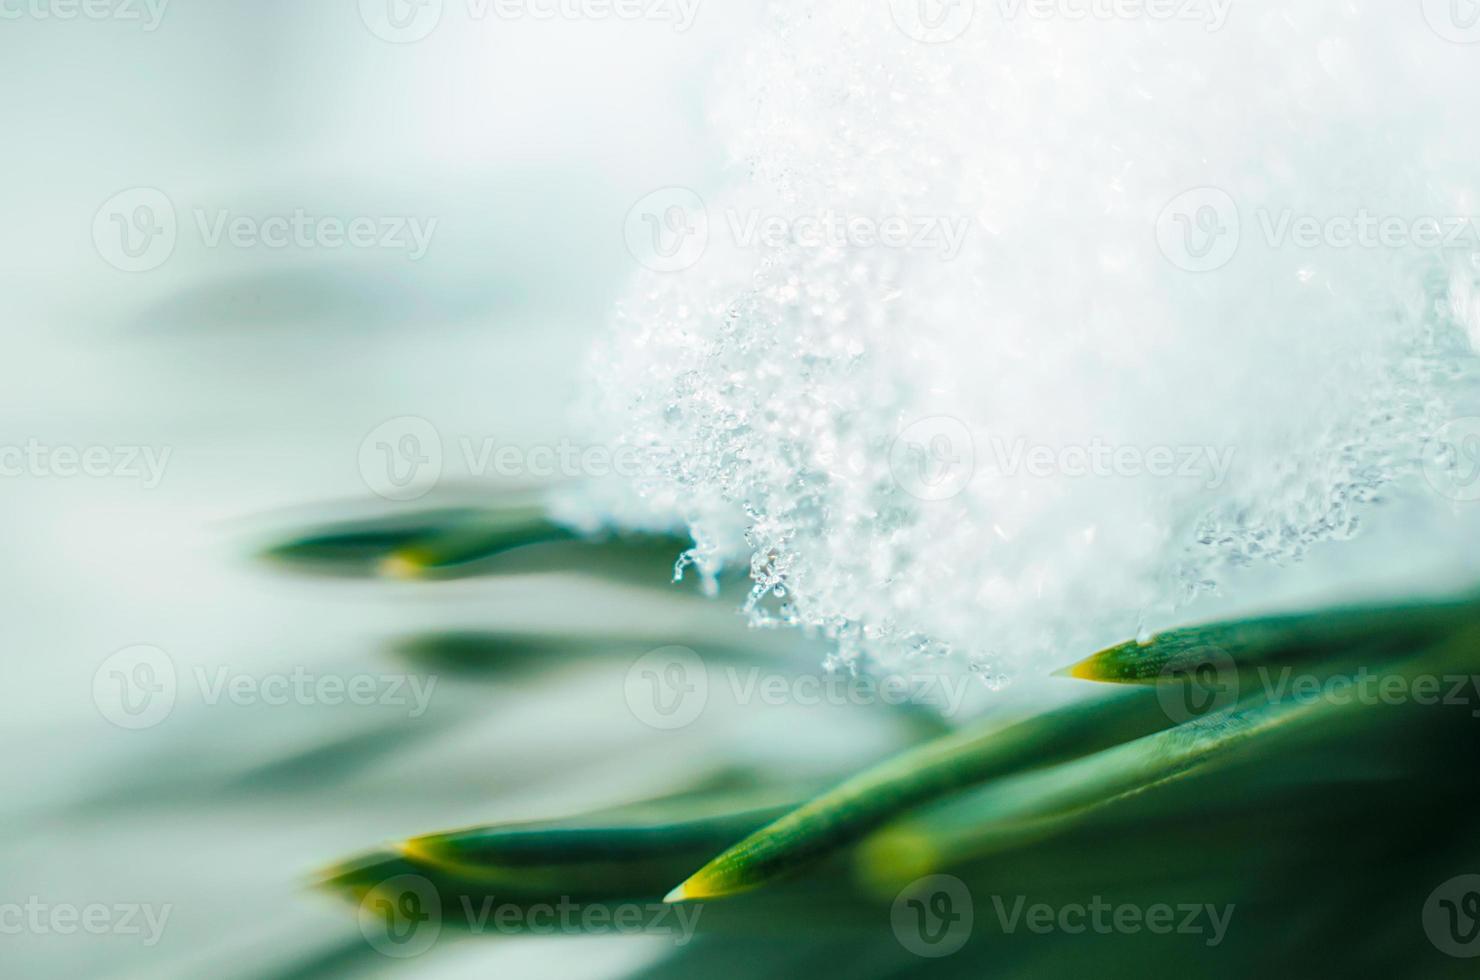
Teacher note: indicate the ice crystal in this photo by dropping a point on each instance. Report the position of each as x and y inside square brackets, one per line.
[1134, 368]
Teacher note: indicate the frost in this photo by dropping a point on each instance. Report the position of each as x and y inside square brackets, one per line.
[920, 453]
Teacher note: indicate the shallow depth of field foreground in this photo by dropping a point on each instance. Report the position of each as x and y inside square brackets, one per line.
[687, 488]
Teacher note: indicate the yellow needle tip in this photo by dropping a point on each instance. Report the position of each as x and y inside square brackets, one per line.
[1084, 670]
[401, 566]
[702, 887]
[689, 891]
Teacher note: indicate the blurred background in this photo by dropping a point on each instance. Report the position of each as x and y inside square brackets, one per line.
[261, 371]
